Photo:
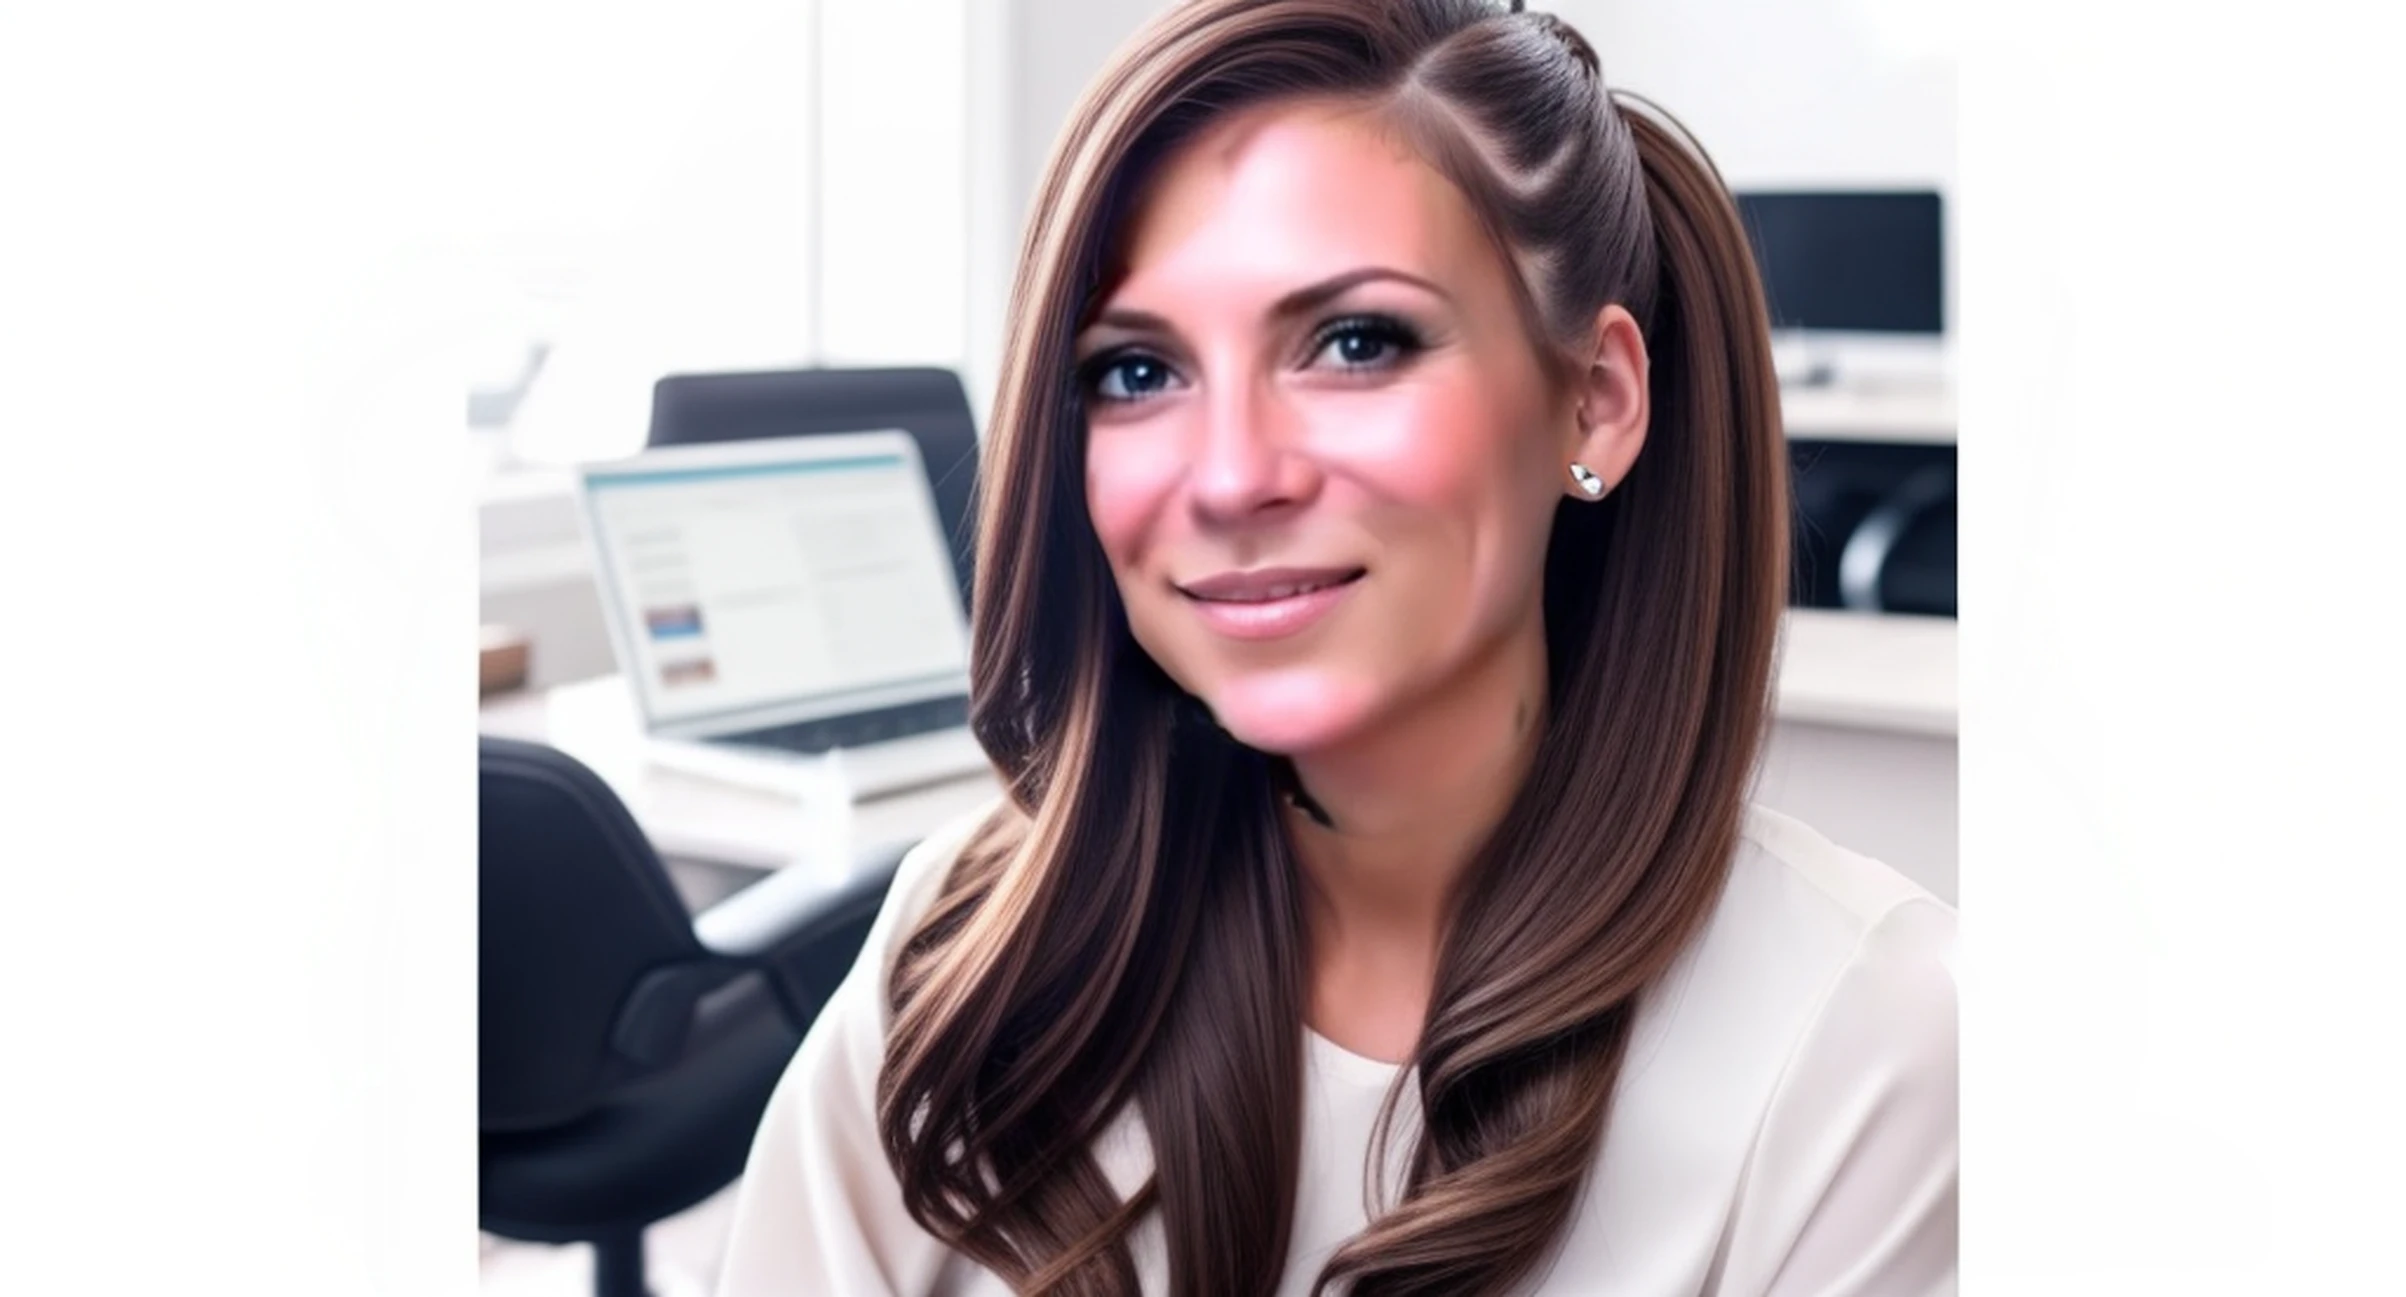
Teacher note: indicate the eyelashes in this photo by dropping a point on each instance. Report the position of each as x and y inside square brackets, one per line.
[1123, 376]
[1364, 343]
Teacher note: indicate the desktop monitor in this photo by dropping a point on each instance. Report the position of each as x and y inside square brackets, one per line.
[1849, 261]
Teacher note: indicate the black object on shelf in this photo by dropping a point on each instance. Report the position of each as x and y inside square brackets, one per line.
[1875, 527]
[1849, 261]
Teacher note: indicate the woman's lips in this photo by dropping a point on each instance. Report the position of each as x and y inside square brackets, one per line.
[1270, 602]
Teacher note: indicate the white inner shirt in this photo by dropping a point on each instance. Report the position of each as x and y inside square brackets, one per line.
[1785, 1123]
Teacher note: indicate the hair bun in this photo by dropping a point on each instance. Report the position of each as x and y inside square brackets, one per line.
[1571, 40]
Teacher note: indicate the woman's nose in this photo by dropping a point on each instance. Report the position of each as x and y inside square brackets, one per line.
[1251, 457]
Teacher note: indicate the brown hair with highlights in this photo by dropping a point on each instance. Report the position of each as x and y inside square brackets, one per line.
[1128, 930]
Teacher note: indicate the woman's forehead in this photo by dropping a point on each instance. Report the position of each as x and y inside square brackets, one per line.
[1289, 192]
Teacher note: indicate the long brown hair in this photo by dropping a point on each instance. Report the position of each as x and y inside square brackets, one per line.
[1128, 929]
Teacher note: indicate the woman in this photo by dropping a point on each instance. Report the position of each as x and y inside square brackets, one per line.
[1383, 549]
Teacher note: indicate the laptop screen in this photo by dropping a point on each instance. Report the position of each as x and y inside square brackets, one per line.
[777, 580]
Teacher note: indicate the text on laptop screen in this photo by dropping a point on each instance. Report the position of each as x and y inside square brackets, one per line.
[751, 586]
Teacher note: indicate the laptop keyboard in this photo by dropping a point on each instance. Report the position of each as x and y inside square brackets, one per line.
[861, 728]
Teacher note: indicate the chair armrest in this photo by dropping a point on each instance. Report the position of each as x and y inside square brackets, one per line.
[803, 930]
[765, 916]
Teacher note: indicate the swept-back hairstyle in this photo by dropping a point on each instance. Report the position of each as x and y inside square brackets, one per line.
[1128, 930]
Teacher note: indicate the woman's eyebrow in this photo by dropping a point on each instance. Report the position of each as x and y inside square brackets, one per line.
[1302, 301]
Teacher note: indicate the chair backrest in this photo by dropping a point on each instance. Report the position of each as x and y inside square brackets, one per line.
[928, 403]
[578, 929]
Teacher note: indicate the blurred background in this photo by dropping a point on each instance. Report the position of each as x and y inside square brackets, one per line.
[760, 185]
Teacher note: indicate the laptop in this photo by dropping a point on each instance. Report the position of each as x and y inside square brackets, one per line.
[786, 608]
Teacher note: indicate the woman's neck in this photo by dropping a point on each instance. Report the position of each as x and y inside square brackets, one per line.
[1387, 824]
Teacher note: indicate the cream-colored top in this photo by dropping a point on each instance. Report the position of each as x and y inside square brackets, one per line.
[1786, 1123]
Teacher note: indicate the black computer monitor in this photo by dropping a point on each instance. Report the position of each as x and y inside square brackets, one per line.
[1849, 261]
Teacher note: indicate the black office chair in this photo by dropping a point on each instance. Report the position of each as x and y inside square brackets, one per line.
[928, 403]
[626, 1049]
[1901, 557]
[1875, 526]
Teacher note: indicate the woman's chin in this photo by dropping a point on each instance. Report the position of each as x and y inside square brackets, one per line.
[1281, 723]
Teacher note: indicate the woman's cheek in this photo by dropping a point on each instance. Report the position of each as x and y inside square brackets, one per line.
[1129, 479]
[1419, 445]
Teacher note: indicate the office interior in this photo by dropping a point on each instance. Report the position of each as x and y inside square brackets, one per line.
[802, 186]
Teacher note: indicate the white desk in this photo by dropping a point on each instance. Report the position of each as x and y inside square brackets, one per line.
[1921, 412]
[691, 817]
[1864, 747]
[1889, 673]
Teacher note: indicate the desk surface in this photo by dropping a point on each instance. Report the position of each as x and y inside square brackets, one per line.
[1893, 674]
[1861, 671]
[693, 817]
[1922, 413]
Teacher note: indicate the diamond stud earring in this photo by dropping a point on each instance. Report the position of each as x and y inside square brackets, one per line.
[1588, 481]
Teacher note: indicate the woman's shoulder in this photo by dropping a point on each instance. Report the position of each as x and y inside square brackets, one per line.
[1786, 1110]
[925, 866]
[1804, 934]
[1814, 882]
[1806, 1037]
[919, 880]
[1804, 911]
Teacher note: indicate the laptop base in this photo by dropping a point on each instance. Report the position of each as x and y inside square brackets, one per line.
[844, 773]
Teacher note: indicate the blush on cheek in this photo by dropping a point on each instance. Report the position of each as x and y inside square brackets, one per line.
[1128, 477]
[1430, 446]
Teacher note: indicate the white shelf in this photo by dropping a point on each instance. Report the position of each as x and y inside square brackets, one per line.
[1922, 413]
[1877, 671]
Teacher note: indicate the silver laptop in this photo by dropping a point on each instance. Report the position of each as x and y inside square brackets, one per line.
[787, 605]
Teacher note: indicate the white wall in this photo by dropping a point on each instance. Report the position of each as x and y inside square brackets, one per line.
[981, 116]
[1889, 795]
[1030, 61]
[1057, 47]
[1788, 91]
[1781, 93]
[765, 242]
[1796, 93]
[651, 185]
[891, 222]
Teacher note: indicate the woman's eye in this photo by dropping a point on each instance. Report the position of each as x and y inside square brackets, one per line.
[1130, 377]
[1368, 343]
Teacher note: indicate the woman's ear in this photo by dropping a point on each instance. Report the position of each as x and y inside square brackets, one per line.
[1610, 406]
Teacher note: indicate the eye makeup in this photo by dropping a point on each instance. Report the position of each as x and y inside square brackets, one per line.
[1355, 343]
[1367, 341]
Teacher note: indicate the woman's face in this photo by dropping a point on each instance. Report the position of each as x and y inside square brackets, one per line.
[1322, 457]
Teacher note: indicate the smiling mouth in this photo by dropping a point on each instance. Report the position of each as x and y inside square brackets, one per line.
[1268, 585]
[1269, 603]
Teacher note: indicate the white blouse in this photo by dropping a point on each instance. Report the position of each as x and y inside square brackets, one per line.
[1785, 1123]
